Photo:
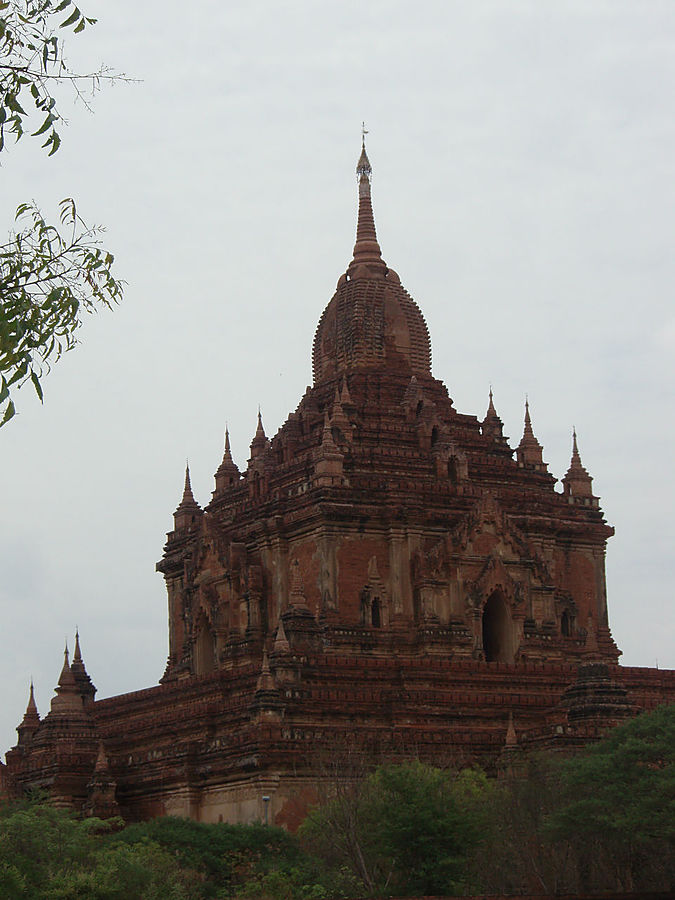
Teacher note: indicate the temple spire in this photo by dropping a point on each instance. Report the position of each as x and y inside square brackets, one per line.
[84, 683]
[188, 508]
[31, 708]
[259, 442]
[77, 655]
[577, 483]
[30, 721]
[228, 474]
[68, 701]
[576, 459]
[492, 426]
[366, 249]
[491, 411]
[529, 451]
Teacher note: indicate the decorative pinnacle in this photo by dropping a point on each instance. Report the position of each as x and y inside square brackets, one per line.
[188, 501]
[227, 441]
[366, 248]
[491, 411]
[577, 470]
[77, 655]
[363, 166]
[188, 496]
[32, 706]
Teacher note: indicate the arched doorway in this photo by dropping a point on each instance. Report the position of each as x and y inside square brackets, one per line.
[497, 630]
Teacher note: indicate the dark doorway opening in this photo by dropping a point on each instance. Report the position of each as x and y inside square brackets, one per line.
[497, 630]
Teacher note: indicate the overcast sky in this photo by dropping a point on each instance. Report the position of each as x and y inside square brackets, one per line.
[524, 190]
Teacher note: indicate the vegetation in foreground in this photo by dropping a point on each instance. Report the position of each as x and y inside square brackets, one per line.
[602, 821]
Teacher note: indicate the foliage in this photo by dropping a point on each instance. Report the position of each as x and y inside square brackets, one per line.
[618, 804]
[48, 853]
[407, 829]
[32, 65]
[624, 786]
[221, 854]
[48, 277]
[602, 820]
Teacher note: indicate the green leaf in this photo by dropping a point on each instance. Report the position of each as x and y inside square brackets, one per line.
[45, 125]
[55, 140]
[73, 17]
[80, 27]
[37, 386]
[9, 413]
[14, 105]
[62, 6]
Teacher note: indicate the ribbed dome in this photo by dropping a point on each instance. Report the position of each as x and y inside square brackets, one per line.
[371, 321]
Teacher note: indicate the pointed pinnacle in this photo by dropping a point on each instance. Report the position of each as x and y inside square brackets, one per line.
[260, 431]
[281, 641]
[366, 249]
[511, 738]
[363, 166]
[227, 441]
[77, 655]
[491, 411]
[31, 708]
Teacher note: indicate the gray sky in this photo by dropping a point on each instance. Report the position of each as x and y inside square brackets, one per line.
[524, 190]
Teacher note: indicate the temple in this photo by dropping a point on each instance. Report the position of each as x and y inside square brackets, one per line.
[386, 574]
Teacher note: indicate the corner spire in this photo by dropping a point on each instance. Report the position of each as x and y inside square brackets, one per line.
[187, 491]
[577, 483]
[366, 249]
[492, 426]
[68, 701]
[30, 721]
[529, 451]
[188, 508]
[77, 655]
[84, 683]
[32, 706]
[259, 442]
[228, 474]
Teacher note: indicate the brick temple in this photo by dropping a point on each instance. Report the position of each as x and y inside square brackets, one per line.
[387, 576]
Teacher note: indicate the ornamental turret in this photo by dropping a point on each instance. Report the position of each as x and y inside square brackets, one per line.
[84, 683]
[67, 702]
[529, 451]
[188, 510]
[259, 443]
[492, 426]
[577, 483]
[228, 474]
[31, 720]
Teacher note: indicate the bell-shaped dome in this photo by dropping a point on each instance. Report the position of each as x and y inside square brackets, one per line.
[371, 321]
